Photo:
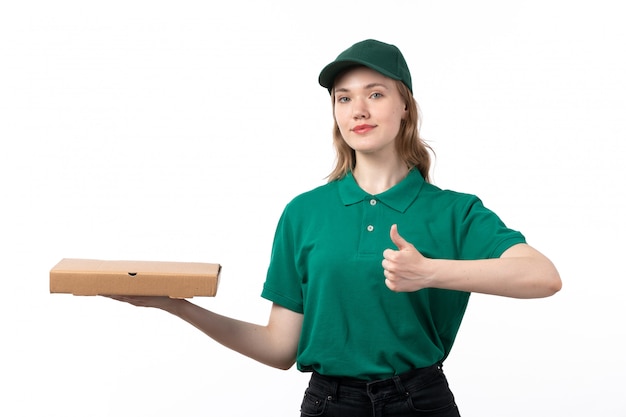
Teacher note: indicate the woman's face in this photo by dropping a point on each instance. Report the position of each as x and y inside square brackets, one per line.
[368, 109]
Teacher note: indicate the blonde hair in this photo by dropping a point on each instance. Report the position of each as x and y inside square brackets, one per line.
[411, 148]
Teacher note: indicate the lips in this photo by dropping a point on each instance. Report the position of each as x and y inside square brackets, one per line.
[360, 129]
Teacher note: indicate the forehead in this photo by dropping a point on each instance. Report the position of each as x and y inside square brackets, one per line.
[360, 77]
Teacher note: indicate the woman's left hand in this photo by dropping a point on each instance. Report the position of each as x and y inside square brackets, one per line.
[405, 269]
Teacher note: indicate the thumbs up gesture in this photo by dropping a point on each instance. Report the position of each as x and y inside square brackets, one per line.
[405, 269]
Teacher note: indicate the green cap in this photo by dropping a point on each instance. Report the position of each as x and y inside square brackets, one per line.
[379, 56]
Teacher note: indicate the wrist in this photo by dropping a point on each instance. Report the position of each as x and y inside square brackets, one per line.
[433, 276]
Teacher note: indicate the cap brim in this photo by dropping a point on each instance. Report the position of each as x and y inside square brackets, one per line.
[332, 70]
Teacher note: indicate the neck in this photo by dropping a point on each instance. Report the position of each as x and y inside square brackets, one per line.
[375, 178]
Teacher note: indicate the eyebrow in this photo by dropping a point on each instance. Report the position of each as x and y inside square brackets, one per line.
[367, 87]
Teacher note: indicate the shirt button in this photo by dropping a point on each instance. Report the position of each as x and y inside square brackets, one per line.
[373, 202]
[370, 228]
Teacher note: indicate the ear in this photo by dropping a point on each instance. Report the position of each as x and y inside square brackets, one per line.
[405, 112]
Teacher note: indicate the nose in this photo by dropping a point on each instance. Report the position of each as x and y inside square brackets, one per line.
[359, 109]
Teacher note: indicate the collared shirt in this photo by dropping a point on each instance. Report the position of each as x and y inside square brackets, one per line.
[326, 263]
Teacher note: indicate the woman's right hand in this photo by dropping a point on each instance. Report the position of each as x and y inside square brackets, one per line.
[161, 302]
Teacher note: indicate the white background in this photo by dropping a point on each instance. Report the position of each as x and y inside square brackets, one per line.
[163, 130]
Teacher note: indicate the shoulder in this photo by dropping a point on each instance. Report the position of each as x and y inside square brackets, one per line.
[453, 205]
[436, 195]
[302, 209]
[314, 197]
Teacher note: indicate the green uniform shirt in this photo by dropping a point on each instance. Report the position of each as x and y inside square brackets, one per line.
[326, 264]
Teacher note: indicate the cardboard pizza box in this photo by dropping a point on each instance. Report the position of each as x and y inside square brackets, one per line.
[102, 277]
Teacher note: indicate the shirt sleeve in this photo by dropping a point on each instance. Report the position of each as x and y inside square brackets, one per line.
[482, 234]
[283, 284]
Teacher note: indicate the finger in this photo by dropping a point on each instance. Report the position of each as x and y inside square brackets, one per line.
[397, 239]
[391, 285]
[388, 254]
[387, 274]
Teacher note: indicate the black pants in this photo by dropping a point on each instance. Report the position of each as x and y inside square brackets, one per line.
[420, 392]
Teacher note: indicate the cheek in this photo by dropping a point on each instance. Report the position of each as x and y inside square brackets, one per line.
[398, 116]
[344, 133]
[340, 119]
[339, 113]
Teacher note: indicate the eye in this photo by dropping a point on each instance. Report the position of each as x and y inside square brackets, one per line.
[376, 95]
[342, 99]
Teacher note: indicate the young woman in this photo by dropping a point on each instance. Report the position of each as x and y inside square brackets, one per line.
[370, 274]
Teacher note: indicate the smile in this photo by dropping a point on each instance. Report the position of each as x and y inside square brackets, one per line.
[360, 129]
